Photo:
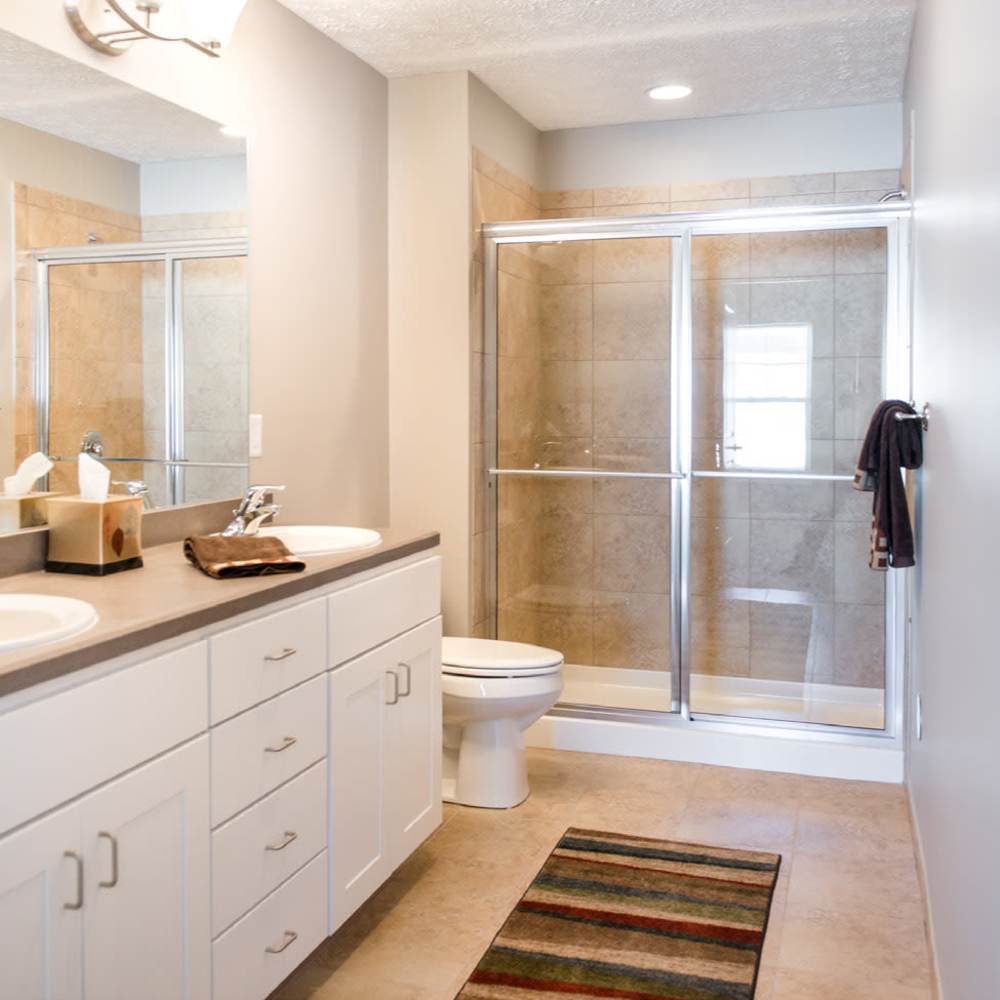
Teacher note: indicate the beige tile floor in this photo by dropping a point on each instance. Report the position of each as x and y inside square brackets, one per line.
[847, 921]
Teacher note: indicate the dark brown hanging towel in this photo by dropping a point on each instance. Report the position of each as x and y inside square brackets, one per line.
[890, 445]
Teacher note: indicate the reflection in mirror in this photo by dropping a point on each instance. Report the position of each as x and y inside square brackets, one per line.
[128, 282]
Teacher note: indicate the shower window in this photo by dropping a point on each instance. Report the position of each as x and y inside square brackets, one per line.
[766, 373]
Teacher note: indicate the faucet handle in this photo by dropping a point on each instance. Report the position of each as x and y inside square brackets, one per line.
[254, 497]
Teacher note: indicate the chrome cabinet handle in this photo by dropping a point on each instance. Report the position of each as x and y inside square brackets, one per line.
[290, 936]
[406, 667]
[289, 837]
[78, 905]
[283, 655]
[286, 742]
[113, 881]
[395, 686]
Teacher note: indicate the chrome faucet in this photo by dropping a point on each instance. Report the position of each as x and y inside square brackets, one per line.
[136, 488]
[253, 511]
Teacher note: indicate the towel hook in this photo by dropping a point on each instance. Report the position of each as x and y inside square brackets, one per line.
[923, 416]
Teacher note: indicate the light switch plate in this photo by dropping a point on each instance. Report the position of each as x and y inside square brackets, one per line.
[255, 435]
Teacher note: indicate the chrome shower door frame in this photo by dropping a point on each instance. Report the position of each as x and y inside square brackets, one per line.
[896, 379]
[172, 254]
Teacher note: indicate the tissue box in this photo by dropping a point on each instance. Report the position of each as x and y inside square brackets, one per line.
[94, 537]
[28, 511]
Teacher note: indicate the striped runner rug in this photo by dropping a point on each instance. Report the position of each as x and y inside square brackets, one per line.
[632, 918]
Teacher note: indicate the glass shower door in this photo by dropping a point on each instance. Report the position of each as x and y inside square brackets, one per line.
[212, 374]
[584, 552]
[787, 621]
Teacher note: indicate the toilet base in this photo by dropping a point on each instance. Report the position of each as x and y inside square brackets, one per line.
[484, 764]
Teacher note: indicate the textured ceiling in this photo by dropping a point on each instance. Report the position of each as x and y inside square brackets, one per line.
[570, 63]
[54, 94]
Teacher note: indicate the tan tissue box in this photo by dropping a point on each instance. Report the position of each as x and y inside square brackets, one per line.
[28, 511]
[94, 537]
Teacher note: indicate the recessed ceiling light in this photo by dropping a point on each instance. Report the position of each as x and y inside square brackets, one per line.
[669, 92]
[233, 131]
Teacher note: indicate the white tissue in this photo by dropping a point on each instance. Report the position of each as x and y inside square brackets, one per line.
[28, 472]
[94, 477]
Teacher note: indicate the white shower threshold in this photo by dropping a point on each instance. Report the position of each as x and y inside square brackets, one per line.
[739, 697]
[760, 745]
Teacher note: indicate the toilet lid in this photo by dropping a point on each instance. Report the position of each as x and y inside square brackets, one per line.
[486, 657]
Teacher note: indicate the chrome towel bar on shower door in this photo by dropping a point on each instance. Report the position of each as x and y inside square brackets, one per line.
[586, 474]
[695, 474]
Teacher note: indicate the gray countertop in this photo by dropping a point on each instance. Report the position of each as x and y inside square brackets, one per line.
[167, 598]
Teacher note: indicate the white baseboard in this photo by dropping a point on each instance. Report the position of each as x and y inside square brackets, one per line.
[787, 753]
[918, 844]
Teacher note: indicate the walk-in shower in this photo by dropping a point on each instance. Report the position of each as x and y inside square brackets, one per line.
[674, 407]
[145, 345]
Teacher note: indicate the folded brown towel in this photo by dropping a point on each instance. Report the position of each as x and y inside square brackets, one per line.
[240, 555]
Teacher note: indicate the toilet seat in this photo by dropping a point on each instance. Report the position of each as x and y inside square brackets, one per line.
[462, 657]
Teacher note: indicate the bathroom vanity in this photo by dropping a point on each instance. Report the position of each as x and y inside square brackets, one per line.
[191, 805]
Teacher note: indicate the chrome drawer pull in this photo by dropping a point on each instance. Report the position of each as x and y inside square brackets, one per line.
[288, 741]
[283, 655]
[113, 881]
[78, 905]
[406, 667]
[290, 835]
[290, 936]
[395, 686]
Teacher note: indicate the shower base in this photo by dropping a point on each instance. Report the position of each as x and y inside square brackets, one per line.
[738, 697]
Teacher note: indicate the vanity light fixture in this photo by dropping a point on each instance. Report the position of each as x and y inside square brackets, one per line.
[669, 92]
[110, 26]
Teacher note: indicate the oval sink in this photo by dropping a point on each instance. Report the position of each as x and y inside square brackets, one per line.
[36, 619]
[322, 539]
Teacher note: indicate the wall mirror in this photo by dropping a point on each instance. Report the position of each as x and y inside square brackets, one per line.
[123, 282]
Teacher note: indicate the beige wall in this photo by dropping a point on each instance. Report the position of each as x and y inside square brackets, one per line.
[501, 134]
[953, 769]
[316, 122]
[685, 150]
[429, 339]
[317, 119]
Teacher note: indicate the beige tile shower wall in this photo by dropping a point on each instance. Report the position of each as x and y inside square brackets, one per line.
[603, 333]
[95, 318]
[853, 188]
[498, 196]
[749, 538]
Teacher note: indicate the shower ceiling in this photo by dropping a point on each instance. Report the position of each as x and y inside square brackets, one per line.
[573, 63]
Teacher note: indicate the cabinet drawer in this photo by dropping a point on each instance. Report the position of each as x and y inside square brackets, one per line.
[256, 851]
[260, 749]
[258, 660]
[257, 953]
[363, 616]
[60, 746]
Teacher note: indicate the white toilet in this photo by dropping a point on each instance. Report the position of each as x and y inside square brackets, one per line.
[493, 690]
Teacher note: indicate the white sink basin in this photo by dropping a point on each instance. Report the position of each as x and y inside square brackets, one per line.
[322, 539]
[36, 619]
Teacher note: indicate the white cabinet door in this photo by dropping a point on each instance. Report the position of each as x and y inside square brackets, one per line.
[359, 860]
[41, 917]
[147, 930]
[384, 761]
[412, 809]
